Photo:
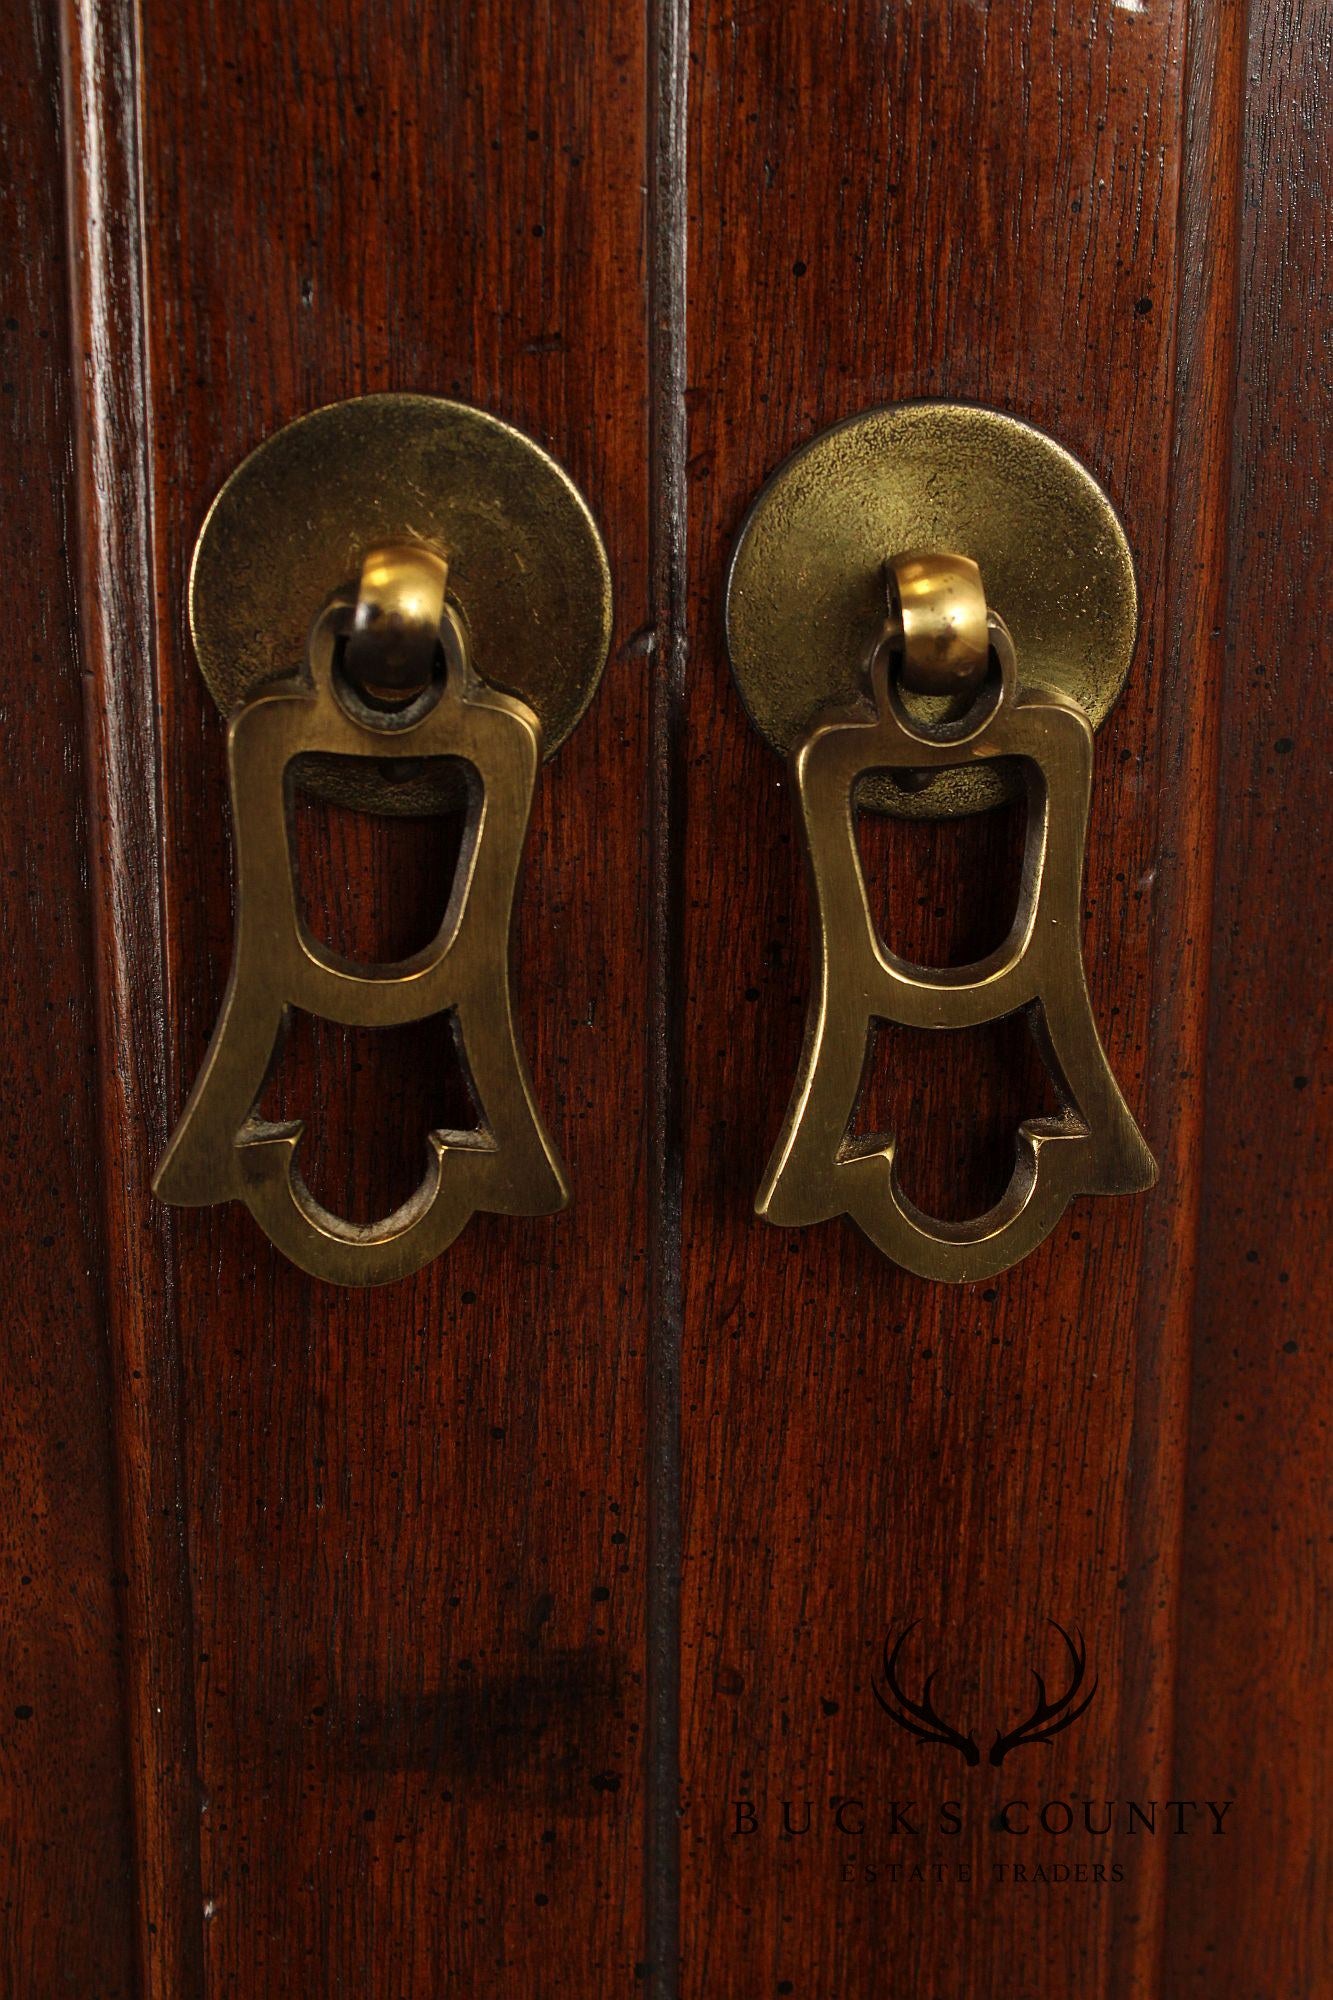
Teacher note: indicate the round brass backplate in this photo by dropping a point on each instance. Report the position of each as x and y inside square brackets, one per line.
[806, 592]
[527, 569]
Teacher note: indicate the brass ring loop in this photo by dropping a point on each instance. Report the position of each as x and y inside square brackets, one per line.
[937, 622]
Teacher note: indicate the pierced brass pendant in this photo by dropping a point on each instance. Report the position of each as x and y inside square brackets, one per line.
[935, 638]
[388, 679]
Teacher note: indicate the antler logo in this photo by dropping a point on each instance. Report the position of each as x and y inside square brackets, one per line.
[921, 1720]
[918, 1718]
[1048, 1718]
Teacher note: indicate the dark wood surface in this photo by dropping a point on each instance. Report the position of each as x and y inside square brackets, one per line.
[67, 1885]
[367, 1609]
[67, 1859]
[1253, 1680]
[983, 205]
[414, 1523]
[118, 649]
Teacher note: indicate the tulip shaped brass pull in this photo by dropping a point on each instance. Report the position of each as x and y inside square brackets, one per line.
[389, 682]
[938, 640]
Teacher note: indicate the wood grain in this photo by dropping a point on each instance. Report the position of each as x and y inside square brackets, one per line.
[416, 1534]
[348, 1647]
[66, 1862]
[668, 486]
[118, 647]
[1254, 1680]
[978, 204]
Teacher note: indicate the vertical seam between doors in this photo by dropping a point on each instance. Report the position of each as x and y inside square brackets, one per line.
[668, 58]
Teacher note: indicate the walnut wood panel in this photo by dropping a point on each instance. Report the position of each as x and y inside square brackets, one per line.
[1253, 1701]
[66, 1861]
[396, 1574]
[668, 440]
[978, 203]
[413, 1515]
[116, 632]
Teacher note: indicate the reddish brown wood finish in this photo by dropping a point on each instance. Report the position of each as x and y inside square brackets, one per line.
[398, 1572]
[66, 1860]
[117, 635]
[979, 205]
[414, 1524]
[1254, 1680]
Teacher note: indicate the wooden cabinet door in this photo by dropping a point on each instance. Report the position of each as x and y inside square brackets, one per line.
[519, 1628]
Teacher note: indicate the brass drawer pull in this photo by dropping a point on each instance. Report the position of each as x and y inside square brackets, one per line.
[363, 518]
[929, 480]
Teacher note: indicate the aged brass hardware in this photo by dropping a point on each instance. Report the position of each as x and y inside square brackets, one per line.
[937, 622]
[527, 570]
[805, 595]
[873, 748]
[449, 500]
